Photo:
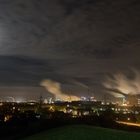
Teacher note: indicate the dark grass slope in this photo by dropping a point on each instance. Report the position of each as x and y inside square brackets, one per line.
[84, 132]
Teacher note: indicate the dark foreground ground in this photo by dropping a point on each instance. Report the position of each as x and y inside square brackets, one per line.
[87, 128]
[84, 132]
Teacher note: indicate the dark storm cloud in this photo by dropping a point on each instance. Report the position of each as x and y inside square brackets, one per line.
[72, 5]
[18, 70]
[92, 29]
[67, 41]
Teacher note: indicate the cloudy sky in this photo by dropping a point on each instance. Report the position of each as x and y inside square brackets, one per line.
[75, 43]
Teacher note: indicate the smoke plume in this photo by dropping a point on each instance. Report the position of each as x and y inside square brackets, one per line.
[120, 85]
[55, 88]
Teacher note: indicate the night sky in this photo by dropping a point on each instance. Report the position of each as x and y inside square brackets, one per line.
[75, 43]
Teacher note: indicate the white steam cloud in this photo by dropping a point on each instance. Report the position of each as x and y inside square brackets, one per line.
[55, 88]
[120, 85]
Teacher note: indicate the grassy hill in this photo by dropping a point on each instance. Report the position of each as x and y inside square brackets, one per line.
[84, 132]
